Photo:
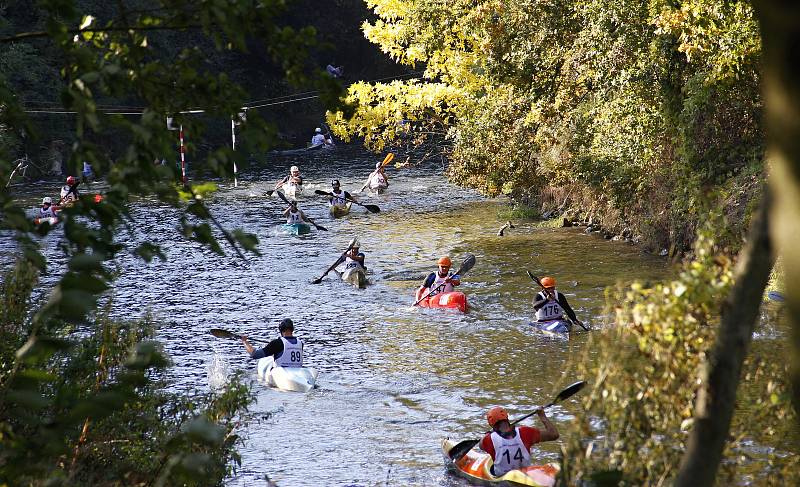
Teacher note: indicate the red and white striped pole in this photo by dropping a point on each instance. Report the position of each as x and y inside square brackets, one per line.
[183, 156]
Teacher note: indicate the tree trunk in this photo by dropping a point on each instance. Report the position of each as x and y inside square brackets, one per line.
[716, 398]
[780, 35]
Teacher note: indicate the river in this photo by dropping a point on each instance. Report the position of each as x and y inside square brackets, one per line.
[394, 379]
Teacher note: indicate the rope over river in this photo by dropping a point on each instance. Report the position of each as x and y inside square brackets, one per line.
[394, 380]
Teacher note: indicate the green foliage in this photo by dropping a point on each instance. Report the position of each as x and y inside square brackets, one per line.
[89, 406]
[644, 106]
[645, 372]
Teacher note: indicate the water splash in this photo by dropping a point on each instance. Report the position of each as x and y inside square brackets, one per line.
[218, 373]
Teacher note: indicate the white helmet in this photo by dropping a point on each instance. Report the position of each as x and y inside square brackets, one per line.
[294, 169]
[318, 130]
[47, 200]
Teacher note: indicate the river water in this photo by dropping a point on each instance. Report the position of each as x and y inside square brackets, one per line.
[394, 379]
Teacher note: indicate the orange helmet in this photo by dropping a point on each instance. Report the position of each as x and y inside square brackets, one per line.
[445, 261]
[495, 415]
[548, 282]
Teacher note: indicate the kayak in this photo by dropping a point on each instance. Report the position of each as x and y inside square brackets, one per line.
[292, 191]
[297, 228]
[297, 379]
[379, 189]
[52, 220]
[475, 467]
[553, 327]
[340, 211]
[355, 276]
[454, 300]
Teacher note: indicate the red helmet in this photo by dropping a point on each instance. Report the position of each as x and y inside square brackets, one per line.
[71, 180]
[445, 261]
[495, 415]
[548, 282]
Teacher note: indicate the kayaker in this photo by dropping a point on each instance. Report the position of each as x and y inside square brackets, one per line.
[294, 177]
[287, 350]
[550, 305]
[295, 215]
[47, 210]
[441, 276]
[340, 197]
[510, 446]
[352, 258]
[69, 192]
[320, 139]
[378, 179]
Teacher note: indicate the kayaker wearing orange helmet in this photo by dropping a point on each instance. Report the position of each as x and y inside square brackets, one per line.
[441, 276]
[550, 305]
[510, 446]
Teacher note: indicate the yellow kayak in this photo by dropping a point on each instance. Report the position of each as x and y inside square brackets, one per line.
[340, 211]
[475, 466]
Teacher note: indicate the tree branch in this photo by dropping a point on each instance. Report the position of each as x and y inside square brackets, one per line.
[42, 33]
[716, 399]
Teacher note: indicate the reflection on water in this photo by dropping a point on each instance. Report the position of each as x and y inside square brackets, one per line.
[394, 379]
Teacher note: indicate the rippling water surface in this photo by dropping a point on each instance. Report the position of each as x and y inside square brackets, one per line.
[395, 380]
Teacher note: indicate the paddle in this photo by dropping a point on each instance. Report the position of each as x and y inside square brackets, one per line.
[320, 278]
[370, 208]
[220, 333]
[537, 281]
[386, 160]
[319, 227]
[463, 447]
[468, 264]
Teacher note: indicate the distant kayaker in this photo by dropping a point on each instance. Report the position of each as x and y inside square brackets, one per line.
[378, 180]
[550, 305]
[352, 258]
[69, 192]
[441, 276]
[294, 178]
[295, 215]
[47, 210]
[287, 350]
[340, 197]
[510, 446]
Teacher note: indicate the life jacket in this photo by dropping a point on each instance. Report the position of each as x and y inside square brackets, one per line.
[551, 310]
[349, 263]
[509, 453]
[292, 355]
[317, 139]
[447, 288]
[293, 217]
[48, 213]
[338, 199]
[69, 193]
[378, 181]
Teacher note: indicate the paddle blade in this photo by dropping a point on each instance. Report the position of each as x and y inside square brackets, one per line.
[372, 208]
[462, 448]
[220, 333]
[468, 264]
[320, 227]
[269, 193]
[387, 159]
[317, 281]
[569, 391]
[320, 192]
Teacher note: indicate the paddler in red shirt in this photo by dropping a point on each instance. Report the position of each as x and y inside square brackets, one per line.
[510, 446]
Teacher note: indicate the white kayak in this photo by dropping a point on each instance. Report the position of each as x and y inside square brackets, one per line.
[298, 379]
[355, 276]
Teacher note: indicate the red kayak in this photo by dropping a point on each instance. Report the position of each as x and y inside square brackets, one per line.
[454, 300]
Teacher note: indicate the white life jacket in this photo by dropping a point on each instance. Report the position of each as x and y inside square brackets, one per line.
[66, 195]
[338, 199]
[292, 355]
[378, 181]
[317, 139]
[509, 453]
[293, 217]
[349, 263]
[447, 288]
[48, 213]
[551, 310]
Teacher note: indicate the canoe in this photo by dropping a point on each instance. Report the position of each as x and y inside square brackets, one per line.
[475, 467]
[355, 276]
[297, 379]
[553, 327]
[297, 228]
[340, 211]
[454, 300]
[292, 191]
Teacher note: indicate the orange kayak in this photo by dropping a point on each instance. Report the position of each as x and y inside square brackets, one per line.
[475, 466]
[454, 300]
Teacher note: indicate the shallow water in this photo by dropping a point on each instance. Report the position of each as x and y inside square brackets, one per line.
[395, 380]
